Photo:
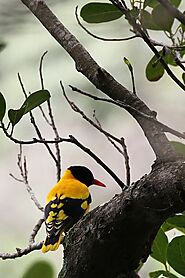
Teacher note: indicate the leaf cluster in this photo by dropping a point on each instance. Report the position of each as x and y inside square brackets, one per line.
[152, 16]
[170, 253]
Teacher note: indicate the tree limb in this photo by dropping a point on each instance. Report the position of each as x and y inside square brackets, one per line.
[173, 10]
[101, 78]
[114, 247]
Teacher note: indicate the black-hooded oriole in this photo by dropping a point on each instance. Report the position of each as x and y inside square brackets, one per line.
[66, 203]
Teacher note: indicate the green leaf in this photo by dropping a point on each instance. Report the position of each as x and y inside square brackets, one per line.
[39, 269]
[177, 221]
[159, 247]
[169, 59]
[2, 106]
[33, 101]
[151, 3]
[147, 21]
[2, 46]
[162, 18]
[158, 273]
[179, 147]
[176, 3]
[167, 226]
[127, 62]
[154, 3]
[176, 254]
[154, 69]
[100, 12]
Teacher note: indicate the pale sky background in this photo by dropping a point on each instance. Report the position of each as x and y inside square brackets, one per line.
[26, 42]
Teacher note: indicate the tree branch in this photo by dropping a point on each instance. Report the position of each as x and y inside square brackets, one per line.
[173, 10]
[114, 238]
[101, 78]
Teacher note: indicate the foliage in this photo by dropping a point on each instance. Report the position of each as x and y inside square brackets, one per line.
[152, 16]
[39, 269]
[32, 101]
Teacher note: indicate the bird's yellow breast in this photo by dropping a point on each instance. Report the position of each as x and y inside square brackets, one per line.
[68, 187]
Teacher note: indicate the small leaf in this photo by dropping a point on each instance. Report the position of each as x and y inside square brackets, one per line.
[162, 18]
[158, 273]
[176, 3]
[177, 221]
[169, 59]
[176, 254]
[151, 3]
[127, 62]
[39, 269]
[179, 147]
[159, 247]
[2, 46]
[2, 106]
[33, 101]
[100, 12]
[147, 21]
[167, 227]
[154, 69]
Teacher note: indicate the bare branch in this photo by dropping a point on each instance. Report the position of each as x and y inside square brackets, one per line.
[127, 164]
[76, 109]
[24, 174]
[173, 10]
[123, 152]
[127, 107]
[98, 160]
[52, 122]
[108, 138]
[21, 252]
[35, 231]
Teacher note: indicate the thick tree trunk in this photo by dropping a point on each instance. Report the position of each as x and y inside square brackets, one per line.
[114, 238]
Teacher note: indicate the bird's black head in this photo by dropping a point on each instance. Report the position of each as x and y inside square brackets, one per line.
[82, 174]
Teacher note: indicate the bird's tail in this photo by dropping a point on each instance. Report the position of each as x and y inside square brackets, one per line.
[52, 243]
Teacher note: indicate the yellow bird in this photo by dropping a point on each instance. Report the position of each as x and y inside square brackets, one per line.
[66, 203]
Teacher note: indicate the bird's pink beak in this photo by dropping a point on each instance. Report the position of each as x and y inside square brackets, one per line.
[99, 183]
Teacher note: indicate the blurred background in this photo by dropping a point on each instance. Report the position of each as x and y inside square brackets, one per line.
[26, 40]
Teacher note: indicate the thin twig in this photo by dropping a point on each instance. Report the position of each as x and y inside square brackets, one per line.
[34, 122]
[35, 231]
[98, 160]
[42, 86]
[98, 37]
[22, 85]
[108, 138]
[24, 174]
[164, 127]
[77, 109]
[21, 252]
[127, 164]
[51, 122]
[142, 33]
